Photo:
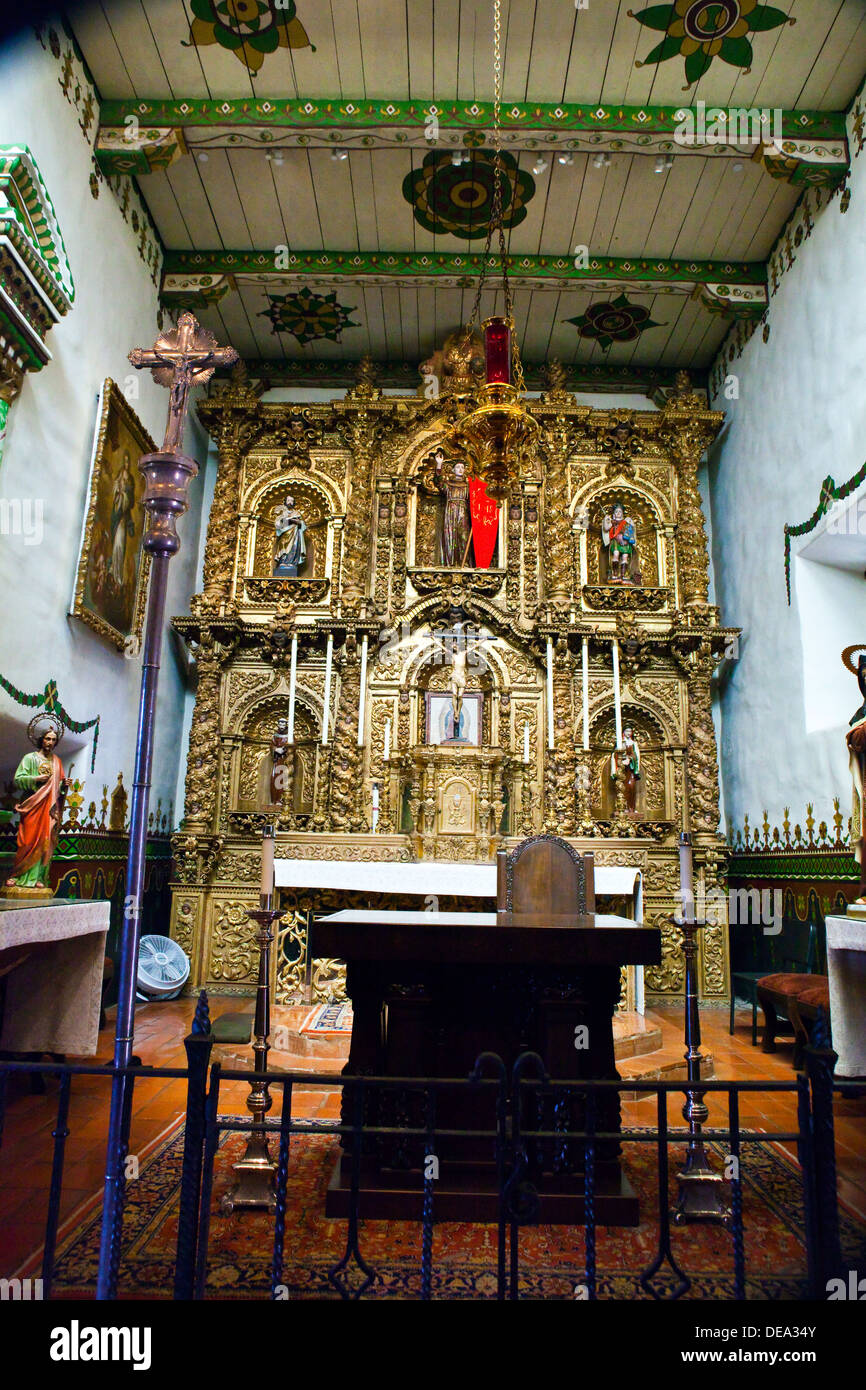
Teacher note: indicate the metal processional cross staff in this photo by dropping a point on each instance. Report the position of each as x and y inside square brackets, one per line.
[184, 357]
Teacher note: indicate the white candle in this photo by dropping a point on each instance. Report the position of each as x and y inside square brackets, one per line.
[526, 742]
[387, 753]
[363, 695]
[550, 694]
[585, 661]
[584, 563]
[617, 698]
[326, 704]
[375, 800]
[293, 675]
[266, 887]
[687, 888]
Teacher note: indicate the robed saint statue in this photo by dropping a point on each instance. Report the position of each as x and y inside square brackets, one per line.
[40, 776]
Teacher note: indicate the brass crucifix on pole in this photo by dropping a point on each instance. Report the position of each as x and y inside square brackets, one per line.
[182, 358]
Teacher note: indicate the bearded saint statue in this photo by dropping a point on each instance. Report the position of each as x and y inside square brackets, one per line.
[41, 776]
[620, 539]
[451, 478]
[628, 758]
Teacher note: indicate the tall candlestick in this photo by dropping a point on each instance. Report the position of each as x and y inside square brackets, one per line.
[585, 663]
[617, 698]
[266, 886]
[584, 563]
[550, 694]
[387, 750]
[526, 742]
[363, 695]
[293, 675]
[326, 702]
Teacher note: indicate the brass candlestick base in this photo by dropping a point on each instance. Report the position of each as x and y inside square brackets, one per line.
[255, 1171]
[701, 1197]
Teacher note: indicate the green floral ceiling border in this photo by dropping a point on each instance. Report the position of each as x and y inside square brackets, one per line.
[49, 700]
[335, 113]
[396, 263]
[830, 493]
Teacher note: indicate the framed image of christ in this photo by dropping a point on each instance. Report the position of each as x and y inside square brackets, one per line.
[111, 579]
[440, 719]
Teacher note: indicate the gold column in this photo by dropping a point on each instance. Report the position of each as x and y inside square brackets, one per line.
[557, 525]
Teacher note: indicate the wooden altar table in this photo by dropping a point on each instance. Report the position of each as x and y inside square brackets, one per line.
[432, 990]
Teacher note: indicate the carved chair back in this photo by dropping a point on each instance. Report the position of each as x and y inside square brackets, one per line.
[544, 877]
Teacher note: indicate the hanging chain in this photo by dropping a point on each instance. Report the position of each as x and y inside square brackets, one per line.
[496, 222]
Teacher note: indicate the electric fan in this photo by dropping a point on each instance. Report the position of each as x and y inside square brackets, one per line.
[163, 968]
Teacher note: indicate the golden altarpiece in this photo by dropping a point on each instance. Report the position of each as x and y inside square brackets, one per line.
[361, 646]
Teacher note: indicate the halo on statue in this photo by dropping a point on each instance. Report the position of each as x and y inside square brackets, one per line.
[36, 729]
[846, 657]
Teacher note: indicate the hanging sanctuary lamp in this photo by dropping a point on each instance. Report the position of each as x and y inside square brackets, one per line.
[495, 433]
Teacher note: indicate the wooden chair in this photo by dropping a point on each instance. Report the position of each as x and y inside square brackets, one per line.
[799, 950]
[753, 954]
[542, 879]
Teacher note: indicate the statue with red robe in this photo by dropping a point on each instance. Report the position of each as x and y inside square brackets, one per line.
[40, 775]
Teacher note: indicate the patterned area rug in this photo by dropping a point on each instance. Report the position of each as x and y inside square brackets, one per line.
[328, 1020]
[464, 1254]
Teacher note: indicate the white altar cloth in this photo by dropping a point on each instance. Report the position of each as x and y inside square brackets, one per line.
[54, 991]
[846, 968]
[431, 877]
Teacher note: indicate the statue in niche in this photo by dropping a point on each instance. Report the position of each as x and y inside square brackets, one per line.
[856, 741]
[274, 768]
[290, 551]
[619, 536]
[451, 479]
[40, 775]
[627, 758]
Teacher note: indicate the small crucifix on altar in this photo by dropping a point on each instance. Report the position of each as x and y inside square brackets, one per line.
[180, 359]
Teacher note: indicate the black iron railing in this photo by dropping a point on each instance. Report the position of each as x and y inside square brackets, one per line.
[525, 1093]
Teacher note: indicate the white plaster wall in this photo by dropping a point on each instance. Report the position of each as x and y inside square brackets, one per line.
[801, 415]
[47, 450]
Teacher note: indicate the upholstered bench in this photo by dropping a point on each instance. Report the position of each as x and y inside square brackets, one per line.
[778, 993]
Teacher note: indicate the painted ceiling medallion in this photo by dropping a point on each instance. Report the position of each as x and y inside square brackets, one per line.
[700, 32]
[248, 28]
[617, 321]
[458, 199]
[308, 316]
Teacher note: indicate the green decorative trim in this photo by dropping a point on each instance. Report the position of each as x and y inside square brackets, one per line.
[24, 198]
[462, 265]
[335, 113]
[830, 493]
[838, 865]
[49, 700]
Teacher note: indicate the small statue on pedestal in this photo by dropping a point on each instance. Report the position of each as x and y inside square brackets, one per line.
[274, 772]
[291, 548]
[451, 478]
[627, 759]
[620, 539]
[41, 775]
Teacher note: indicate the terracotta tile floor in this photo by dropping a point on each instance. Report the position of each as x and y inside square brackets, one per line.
[25, 1156]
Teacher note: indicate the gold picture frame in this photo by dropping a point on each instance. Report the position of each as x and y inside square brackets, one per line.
[111, 578]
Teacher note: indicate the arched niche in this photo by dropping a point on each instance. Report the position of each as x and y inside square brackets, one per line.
[257, 731]
[648, 526]
[430, 674]
[312, 503]
[427, 503]
[652, 802]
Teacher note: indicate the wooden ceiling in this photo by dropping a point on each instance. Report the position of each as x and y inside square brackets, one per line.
[307, 129]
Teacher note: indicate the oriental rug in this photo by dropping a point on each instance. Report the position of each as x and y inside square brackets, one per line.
[464, 1254]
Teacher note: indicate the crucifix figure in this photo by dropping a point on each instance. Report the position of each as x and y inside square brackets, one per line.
[180, 359]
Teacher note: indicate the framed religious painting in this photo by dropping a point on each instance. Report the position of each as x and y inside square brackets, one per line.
[111, 580]
[440, 720]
